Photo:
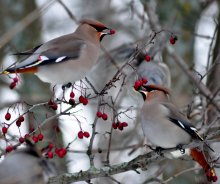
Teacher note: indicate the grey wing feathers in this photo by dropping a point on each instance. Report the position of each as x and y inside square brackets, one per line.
[53, 52]
[180, 120]
[70, 48]
[27, 52]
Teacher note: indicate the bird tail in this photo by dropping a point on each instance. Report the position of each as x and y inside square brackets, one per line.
[5, 72]
[199, 157]
[19, 70]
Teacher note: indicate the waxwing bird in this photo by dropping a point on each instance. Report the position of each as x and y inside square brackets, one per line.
[162, 123]
[166, 127]
[25, 166]
[67, 58]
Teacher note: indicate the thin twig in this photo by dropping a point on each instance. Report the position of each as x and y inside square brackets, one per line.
[89, 151]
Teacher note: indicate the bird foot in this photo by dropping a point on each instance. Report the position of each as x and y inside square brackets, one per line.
[68, 85]
[159, 150]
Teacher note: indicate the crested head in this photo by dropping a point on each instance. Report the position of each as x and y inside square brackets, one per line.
[95, 24]
[153, 91]
[154, 87]
[100, 28]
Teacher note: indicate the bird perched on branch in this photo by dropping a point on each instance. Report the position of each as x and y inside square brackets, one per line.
[67, 58]
[166, 127]
[25, 166]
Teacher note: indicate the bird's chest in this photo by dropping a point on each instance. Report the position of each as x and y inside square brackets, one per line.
[89, 55]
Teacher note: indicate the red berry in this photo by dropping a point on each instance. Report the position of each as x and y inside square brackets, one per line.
[40, 137]
[4, 130]
[50, 154]
[147, 57]
[62, 152]
[86, 134]
[50, 146]
[99, 114]
[57, 150]
[80, 134]
[112, 31]
[18, 123]
[144, 80]
[12, 85]
[54, 106]
[85, 101]
[26, 136]
[104, 116]
[15, 79]
[114, 125]
[35, 139]
[8, 116]
[124, 124]
[81, 98]
[120, 126]
[72, 101]
[9, 149]
[214, 178]
[72, 94]
[173, 39]
[138, 84]
[21, 140]
[21, 118]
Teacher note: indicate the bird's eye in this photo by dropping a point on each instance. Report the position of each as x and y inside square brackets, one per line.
[149, 89]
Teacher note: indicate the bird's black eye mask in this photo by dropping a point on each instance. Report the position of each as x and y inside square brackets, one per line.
[148, 88]
[151, 88]
[98, 28]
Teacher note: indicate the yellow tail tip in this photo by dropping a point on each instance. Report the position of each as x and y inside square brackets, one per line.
[5, 72]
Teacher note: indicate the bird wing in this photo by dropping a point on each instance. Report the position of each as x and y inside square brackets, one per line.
[55, 51]
[27, 52]
[180, 120]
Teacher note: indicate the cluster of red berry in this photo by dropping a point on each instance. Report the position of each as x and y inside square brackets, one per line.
[211, 176]
[82, 99]
[82, 134]
[37, 138]
[19, 121]
[119, 125]
[139, 83]
[60, 152]
[103, 115]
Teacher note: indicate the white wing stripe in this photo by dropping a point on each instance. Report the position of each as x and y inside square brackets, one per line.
[43, 58]
[60, 59]
[181, 124]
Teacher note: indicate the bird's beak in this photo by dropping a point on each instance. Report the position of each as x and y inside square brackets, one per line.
[105, 32]
[108, 31]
